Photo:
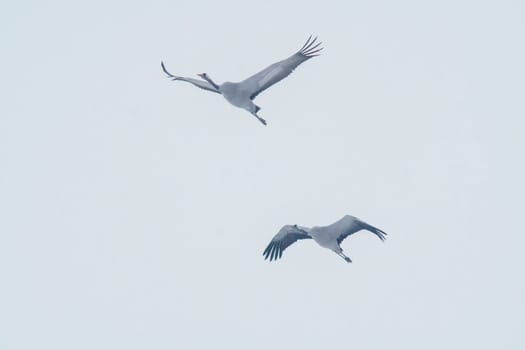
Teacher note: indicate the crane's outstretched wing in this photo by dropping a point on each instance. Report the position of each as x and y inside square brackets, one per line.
[278, 71]
[358, 225]
[198, 83]
[287, 236]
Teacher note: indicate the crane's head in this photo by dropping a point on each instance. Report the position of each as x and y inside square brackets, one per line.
[203, 75]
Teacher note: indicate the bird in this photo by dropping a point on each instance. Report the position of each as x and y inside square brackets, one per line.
[329, 236]
[242, 94]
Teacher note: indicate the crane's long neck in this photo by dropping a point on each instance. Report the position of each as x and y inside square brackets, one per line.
[205, 77]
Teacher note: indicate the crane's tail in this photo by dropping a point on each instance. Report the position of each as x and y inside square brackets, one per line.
[379, 233]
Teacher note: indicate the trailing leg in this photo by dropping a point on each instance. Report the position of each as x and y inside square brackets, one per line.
[259, 118]
[342, 255]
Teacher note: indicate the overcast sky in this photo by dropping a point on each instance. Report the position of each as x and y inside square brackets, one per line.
[134, 210]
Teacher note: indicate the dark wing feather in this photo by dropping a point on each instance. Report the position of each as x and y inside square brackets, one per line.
[282, 240]
[359, 225]
[198, 83]
[278, 71]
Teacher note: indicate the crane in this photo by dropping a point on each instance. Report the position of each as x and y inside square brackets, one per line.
[329, 236]
[243, 93]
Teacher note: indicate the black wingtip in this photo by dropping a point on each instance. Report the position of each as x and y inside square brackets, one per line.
[311, 47]
[380, 233]
[306, 43]
[265, 253]
[164, 68]
[166, 71]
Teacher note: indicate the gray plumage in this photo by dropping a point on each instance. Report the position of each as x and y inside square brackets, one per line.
[243, 93]
[329, 236]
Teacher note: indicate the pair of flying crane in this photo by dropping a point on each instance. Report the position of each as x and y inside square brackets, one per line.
[241, 95]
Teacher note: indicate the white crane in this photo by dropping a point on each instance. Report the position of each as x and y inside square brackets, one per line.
[241, 94]
[329, 236]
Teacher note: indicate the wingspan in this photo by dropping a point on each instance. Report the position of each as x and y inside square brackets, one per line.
[198, 83]
[278, 71]
[282, 240]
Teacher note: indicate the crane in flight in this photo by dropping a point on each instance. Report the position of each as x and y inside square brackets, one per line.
[243, 93]
[329, 236]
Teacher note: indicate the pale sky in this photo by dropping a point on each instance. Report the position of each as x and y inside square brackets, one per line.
[134, 210]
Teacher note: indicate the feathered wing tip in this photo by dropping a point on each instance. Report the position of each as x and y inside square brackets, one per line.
[282, 240]
[273, 251]
[173, 77]
[309, 49]
[379, 233]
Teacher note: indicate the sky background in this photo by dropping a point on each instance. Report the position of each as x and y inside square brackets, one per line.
[134, 210]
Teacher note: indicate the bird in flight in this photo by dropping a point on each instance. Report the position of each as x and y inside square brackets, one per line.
[329, 236]
[243, 93]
